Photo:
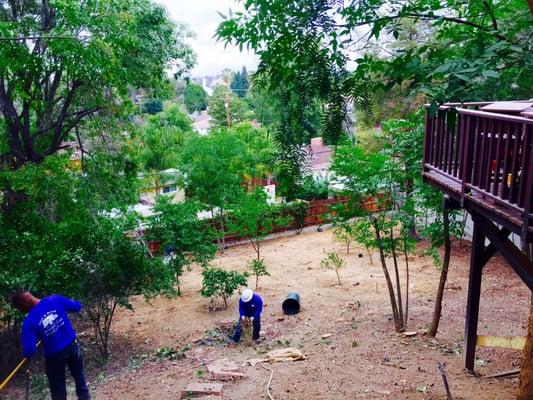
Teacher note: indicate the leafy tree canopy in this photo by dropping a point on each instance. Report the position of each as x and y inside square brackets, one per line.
[194, 97]
[64, 61]
[222, 103]
[239, 85]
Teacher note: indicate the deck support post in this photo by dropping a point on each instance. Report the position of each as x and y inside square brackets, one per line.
[474, 292]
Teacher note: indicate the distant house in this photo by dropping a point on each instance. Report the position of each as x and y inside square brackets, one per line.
[319, 159]
[202, 123]
[163, 183]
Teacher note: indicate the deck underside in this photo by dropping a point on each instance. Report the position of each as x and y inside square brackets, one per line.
[506, 216]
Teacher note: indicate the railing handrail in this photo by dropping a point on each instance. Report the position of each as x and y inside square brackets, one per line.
[479, 103]
[492, 115]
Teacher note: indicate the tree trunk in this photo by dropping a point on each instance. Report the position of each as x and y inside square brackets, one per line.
[392, 297]
[398, 285]
[443, 273]
[338, 277]
[406, 282]
[530, 4]
[223, 231]
[525, 388]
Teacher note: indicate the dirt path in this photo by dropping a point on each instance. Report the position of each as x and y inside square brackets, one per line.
[363, 358]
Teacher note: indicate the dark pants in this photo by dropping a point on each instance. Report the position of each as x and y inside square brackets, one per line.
[55, 371]
[238, 330]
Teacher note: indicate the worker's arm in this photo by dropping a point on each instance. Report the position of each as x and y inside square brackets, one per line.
[29, 340]
[242, 312]
[258, 307]
[70, 305]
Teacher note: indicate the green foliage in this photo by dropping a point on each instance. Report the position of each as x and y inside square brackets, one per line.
[333, 262]
[162, 139]
[215, 166]
[258, 268]
[239, 85]
[345, 233]
[117, 45]
[253, 218]
[188, 239]
[222, 103]
[297, 210]
[195, 98]
[61, 239]
[152, 106]
[218, 282]
[312, 189]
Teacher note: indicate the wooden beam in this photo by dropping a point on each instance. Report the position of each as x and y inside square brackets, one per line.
[516, 258]
[490, 250]
[474, 291]
[502, 342]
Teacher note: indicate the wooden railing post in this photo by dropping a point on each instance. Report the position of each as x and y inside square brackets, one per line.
[468, 153]
[527, 179]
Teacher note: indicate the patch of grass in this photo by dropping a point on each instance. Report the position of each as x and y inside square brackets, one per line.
[354, 343]
[39, 387]
[170, 353]
[283, 342]
[200, 373]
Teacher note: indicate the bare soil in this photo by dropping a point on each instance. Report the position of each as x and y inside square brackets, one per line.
[364, 357]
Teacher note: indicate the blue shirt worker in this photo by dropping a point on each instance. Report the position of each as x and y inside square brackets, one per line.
[47, 321]
[250, 307]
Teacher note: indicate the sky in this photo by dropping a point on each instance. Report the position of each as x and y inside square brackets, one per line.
[203, 19]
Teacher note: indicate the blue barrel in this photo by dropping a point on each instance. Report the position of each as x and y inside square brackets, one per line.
[291, 304]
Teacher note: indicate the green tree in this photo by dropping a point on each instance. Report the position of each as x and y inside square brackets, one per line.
[187, 239]
[253, 218]
[162, 138]
[334, 263]
[227, 109]
[44, 95]
[345, 233]
[152, 106]
[218, 282]
[258, 268]
[239, 85]
[194, 97]
[212, 168]
[68, 237]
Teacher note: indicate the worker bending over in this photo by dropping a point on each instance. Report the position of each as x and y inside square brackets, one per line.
[250, 307]
[48, 322]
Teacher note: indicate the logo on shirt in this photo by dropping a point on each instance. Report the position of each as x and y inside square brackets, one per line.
[51, 322]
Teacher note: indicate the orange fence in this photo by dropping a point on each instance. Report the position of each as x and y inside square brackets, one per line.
[318, 212]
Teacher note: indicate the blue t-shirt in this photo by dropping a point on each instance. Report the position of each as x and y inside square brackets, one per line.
[48, 322]
[252, 308]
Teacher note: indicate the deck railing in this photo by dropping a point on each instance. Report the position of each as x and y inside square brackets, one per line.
[489, 154]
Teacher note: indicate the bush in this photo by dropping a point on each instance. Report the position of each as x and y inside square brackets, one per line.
[258, 268]
[333, 262]
[152, 106]
[218, 282]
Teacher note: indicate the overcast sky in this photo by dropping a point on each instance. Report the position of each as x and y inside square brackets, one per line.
[203, 19]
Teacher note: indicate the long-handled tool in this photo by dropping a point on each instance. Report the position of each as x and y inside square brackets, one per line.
[14, 372]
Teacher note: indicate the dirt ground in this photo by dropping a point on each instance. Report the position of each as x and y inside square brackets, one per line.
[364, 357]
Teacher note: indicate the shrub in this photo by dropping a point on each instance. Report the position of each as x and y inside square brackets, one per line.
[258, 268]
[218, 282]
[333, 262]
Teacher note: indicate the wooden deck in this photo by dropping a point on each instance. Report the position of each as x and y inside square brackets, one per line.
[484, 161]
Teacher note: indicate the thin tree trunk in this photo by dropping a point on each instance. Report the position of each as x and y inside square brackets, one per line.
[397, 275]
[406, 282]
[443, 273]
[223, 230]
[338, 277]
[392, 297]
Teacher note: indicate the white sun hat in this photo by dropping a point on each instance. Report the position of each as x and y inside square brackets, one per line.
[247, 295]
